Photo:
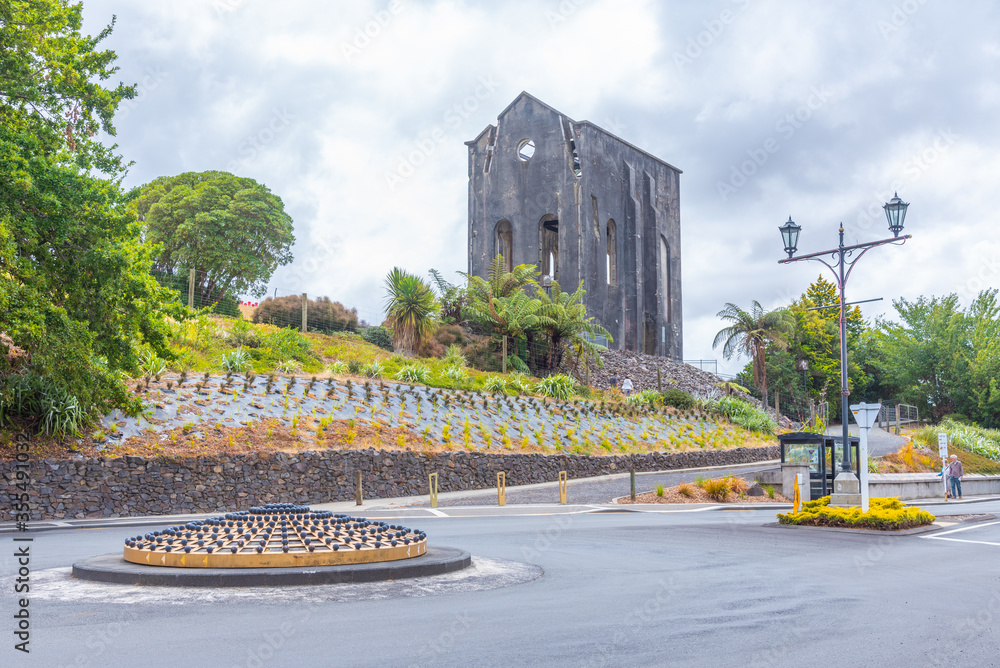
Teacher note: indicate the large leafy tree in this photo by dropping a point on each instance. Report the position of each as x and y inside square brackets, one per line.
[76, 296]
[410, 309]
[231, 229]
[751, 332]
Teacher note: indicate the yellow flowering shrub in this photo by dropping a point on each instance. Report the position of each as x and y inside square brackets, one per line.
[883, 514]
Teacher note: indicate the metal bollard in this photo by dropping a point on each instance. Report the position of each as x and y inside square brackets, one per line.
[357, 482]
[562, 487]
[632, 481]
[501, 488]
[432, 483]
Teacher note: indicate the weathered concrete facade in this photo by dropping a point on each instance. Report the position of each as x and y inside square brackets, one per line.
[582, 205]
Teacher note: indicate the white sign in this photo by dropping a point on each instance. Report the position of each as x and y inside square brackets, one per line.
[865, 415]
[943, 453]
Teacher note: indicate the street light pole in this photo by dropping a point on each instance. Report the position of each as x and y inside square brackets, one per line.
[841, 261]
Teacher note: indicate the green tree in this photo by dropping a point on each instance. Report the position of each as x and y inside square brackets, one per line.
[233, 230]
[76, 297]
[452, 298]
[568, 328]
[750, 334]
[410, 309]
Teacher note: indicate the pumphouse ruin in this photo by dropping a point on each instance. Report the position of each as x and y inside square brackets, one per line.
[582, 205]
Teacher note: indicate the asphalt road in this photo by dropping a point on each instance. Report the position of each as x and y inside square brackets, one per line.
[880, 442]
[602, 490]
[711, 588]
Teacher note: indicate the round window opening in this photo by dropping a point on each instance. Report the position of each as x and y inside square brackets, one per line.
[525, 150]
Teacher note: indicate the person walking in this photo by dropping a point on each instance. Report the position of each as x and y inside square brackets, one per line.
[614, 381]
[627, 386]
[955, 473]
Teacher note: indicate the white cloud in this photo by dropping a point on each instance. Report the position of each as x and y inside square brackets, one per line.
[403, 97]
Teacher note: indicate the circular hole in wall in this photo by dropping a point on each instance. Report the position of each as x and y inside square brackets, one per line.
[525, 150]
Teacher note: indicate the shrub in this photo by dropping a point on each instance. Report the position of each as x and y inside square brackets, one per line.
[150, 365]
[957, 417]
[323, 315]
[235, 361]
[745, 415]
[677, 398]
[519, 383]
[378, 336]
[413, 373]
[336, 367]
[495, 384]
[243, 334]
[454, 357]
[285, 344]
[373, 370]
[659, 490]
[287, 366]
[769, 489]
[455, 373]
[685, 490]
[354, 367]
[644, 398]
[985, 442]
[883, 514]
[558, 386]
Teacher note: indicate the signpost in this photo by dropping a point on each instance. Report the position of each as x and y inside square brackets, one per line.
[943, 453]
[865, 415]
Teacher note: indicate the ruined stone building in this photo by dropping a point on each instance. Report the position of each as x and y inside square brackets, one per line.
[582, 205]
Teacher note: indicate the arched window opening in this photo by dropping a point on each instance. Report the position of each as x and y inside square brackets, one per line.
[665, 276]
[549, 246]
[503, 244]
[611, 256]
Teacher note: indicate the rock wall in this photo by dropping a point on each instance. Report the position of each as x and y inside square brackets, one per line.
[133, 486]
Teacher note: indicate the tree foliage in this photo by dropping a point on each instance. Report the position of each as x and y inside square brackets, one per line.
[410, 308]
[943, 358]
[231, 229]
[750, 334]
[76, 297]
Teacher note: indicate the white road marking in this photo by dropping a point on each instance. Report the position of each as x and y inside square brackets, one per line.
[941, 535]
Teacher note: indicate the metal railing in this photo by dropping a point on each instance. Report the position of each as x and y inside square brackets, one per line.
[712, 366]
[897, 415]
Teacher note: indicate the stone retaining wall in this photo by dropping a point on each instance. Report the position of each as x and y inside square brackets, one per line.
[133, 486]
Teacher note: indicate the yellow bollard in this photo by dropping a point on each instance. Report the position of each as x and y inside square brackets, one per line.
[796, 500]
[562, 487]
[432, 483]
[501, 488]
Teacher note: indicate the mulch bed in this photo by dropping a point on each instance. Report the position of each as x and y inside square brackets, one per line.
[698, 495]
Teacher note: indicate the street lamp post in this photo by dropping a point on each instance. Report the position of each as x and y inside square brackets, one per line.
[841, 261]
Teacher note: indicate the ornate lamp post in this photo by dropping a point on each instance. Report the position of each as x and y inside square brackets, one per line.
[841, 261]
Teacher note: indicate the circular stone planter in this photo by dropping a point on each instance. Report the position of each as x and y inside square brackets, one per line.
[114, 569]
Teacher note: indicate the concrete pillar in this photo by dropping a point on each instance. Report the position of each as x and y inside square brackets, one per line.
[788, 471]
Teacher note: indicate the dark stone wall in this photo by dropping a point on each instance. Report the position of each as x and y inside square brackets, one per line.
[133, 486]
[617, 181]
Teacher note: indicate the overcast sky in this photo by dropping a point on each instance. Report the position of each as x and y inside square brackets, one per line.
[355, 114]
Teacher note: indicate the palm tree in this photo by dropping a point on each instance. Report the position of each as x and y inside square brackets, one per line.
[410, 308]
[751, 332]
